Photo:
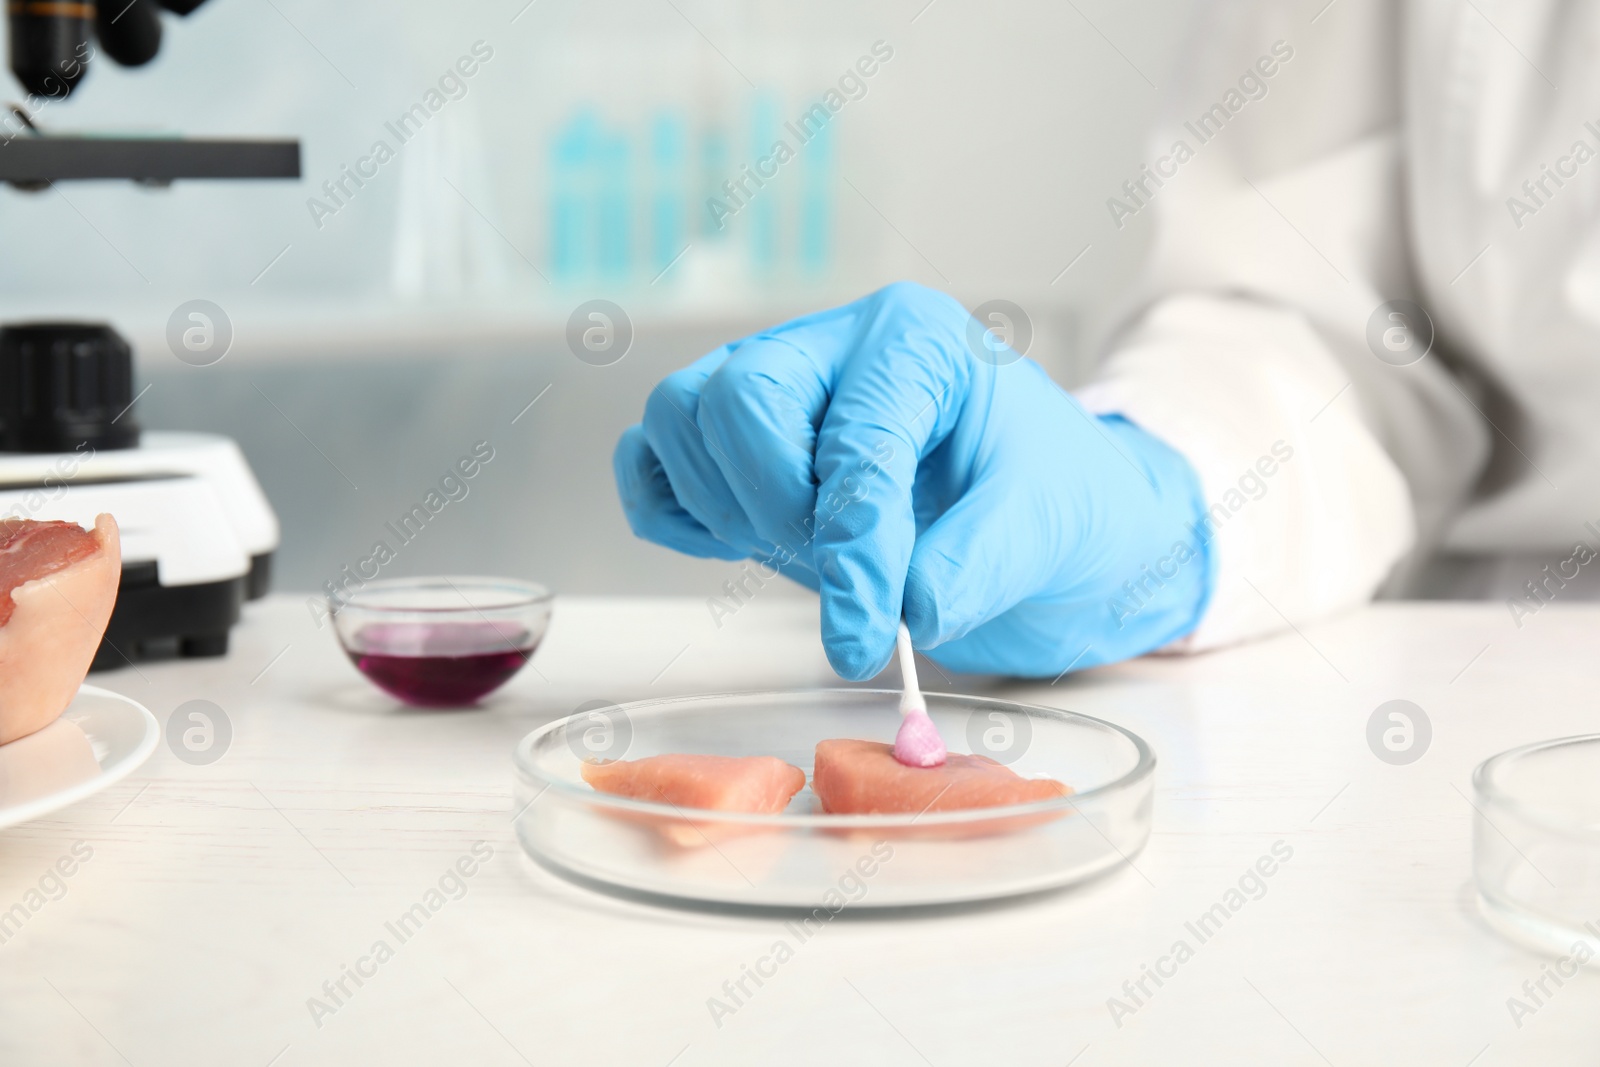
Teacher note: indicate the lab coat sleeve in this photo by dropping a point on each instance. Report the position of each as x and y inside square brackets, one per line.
[1275, 240]
[1306, 512]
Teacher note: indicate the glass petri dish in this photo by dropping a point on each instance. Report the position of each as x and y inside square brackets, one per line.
[1536, 843]
[804, 859]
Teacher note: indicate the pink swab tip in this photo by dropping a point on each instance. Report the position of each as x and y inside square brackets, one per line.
[918, 744]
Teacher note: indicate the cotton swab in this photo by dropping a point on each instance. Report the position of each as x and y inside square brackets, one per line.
[917, 744]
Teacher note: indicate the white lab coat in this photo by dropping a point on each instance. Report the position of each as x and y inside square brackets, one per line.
[1379, 164]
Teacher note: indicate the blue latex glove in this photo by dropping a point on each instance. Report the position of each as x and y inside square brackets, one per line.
[866, 452]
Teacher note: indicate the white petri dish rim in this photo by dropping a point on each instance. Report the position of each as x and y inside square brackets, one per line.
[1536, 843]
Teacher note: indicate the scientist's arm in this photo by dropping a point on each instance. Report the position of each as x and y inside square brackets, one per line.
[1279, 229]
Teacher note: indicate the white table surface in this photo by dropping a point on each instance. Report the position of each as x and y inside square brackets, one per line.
[219, 898]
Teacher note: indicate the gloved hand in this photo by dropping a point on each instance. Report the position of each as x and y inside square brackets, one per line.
[869, 453]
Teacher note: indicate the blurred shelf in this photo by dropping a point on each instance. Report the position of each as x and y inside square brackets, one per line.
[281, 330]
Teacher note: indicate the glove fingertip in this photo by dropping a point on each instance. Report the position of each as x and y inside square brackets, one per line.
[651, 510]
[853, 660]
[632, 465]
[860, 612]
[934, 612]
[923, 611]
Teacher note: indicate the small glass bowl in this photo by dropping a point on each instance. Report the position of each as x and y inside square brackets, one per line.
[805, 859]
[441, 642]
[1536, 843]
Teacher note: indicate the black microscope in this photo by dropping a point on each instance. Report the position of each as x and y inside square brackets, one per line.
[52, 45]
[197, 531]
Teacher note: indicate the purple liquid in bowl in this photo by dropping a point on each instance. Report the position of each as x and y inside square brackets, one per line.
[440, 665]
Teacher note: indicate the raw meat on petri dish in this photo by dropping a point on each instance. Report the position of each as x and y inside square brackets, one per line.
[757, 784]
[58, 584]
[760, 785]
[863, 778]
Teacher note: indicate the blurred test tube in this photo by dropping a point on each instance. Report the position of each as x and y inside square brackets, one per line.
[715, 161]
[764, 204]
[613, 179]
[570, 157]
[816, 201]
[669, 159]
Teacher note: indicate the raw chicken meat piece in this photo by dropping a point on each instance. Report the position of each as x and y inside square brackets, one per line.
[58, 584]
[760, 784]
[863, 778]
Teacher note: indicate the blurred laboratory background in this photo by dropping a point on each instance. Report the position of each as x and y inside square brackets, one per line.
[395, 306]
